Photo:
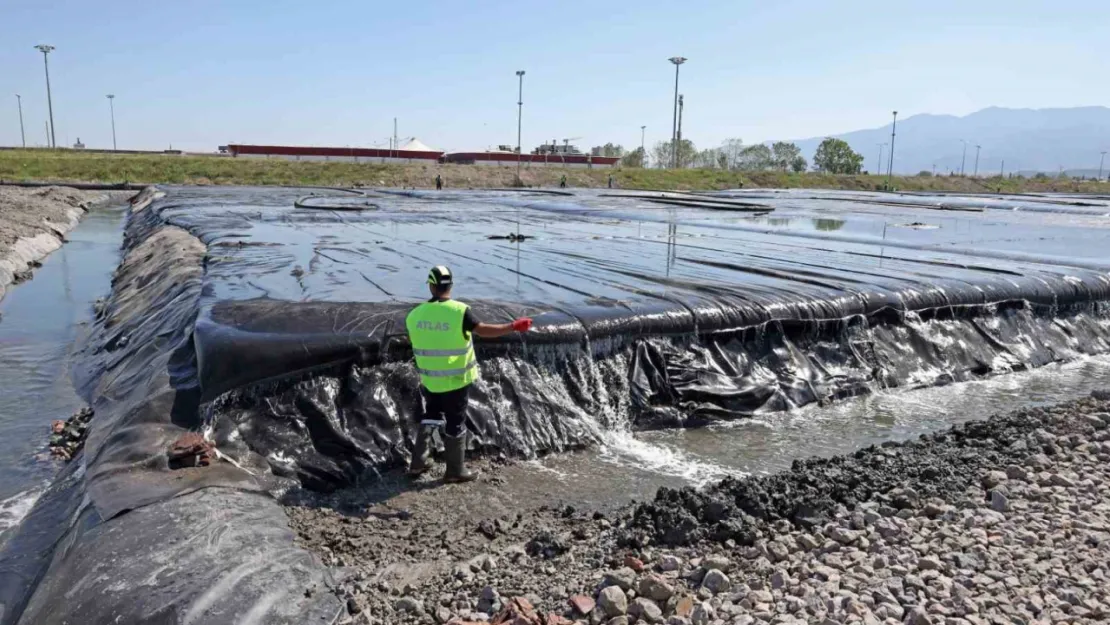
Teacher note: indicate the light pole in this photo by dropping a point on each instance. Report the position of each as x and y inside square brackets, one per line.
[519, 113]
[890, 168]
[879, 167]
[112, 108]
[678, 135]
[1100, 161]
[45, 49]
[677, 60]
[976, 173]
[23, 136]
[963, 159]
[643, 154]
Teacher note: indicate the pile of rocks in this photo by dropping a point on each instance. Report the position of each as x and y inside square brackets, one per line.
[68, 437]
[1020, 537]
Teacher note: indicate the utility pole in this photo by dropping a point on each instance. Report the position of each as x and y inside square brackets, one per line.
[45, 49]
[680, 105]
[963, 159]
[977, 148]
[395, 146]
[890, 168]
[1100, 161]
[519, 114]
[677, 60]
[643, 154]
[879, 166]
[112, 108]
[1002, 171]
[23, 136]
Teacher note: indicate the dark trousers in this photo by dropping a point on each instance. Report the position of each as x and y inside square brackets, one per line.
[447, 410]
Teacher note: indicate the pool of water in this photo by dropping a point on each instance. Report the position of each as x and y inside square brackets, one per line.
[41, 324]
[632, 466]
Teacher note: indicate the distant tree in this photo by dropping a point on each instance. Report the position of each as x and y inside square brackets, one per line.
[731, 149]
[635, 158]
[708, 159]
[799, 164]
[754, 158]
[608, 149]
[783, 154]
[663, 158]
[924, 173]
[835, 156]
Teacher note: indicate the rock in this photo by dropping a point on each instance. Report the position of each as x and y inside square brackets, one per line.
[843, 536]
[930, 563]
[1038, 461]
[993, 478]
[645, 610]
[1061, 480]
[546, 545]
[999, 502]
[684, 606]
[1014, 472]
[582, 604]
[918, 616]
[716, 581]
[807, 542]
[353, 606]
[618, 620]
[442, 615]
[623, 577]
[1093, 420]
[655, 587]
[777, 551]
[761, 596]
[411, 605]
[613, 600]
[779, 579]
[670, 563]
[489, 601]
[678, 620]
[634, 563]
[702, 614]
[715, 562]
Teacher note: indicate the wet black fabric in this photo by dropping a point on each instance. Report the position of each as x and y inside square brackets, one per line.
[283, 337]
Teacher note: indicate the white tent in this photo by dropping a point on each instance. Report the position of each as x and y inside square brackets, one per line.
[416, 146]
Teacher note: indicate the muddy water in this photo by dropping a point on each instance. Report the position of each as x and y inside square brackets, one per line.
[42, 321]
[631, 466]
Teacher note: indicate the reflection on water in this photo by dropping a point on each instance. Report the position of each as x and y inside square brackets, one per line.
[828, 225]
[40, 322]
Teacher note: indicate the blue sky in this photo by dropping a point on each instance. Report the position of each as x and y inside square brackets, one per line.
[203, 73]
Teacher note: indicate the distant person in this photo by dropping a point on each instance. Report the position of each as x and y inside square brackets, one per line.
[563, 182]
[439, 182]
[441, 332]
[610, 181]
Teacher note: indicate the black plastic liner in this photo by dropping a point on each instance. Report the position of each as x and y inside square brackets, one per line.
[119, 537]
[346, 423]
[279, 332]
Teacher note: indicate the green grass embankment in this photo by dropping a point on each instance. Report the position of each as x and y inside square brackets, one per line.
[70, 166]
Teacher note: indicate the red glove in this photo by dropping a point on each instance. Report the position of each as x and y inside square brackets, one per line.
[523, 324]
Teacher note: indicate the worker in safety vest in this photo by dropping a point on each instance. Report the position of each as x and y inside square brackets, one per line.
[441, 332]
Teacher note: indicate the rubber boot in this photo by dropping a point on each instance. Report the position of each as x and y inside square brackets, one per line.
[454, 454]
[420, 452]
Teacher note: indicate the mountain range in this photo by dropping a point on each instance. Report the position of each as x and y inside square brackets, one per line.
[1041, 140]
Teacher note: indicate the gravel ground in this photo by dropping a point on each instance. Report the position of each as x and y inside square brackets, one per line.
[999, 521]
[34, 221]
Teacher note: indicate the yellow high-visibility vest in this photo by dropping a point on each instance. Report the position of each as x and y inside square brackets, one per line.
[444, 353]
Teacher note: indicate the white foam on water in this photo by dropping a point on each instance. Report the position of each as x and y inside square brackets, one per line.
[625, 449]
[14, 508]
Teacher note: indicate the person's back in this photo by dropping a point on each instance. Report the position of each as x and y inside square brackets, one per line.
[441, 332]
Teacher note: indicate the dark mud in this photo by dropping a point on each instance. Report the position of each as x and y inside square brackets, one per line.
[396, 559]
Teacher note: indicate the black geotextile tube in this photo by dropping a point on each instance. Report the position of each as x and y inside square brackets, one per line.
[347, 419]
[121, 538]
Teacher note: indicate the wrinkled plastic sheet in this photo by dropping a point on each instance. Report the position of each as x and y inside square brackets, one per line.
[119, 537]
